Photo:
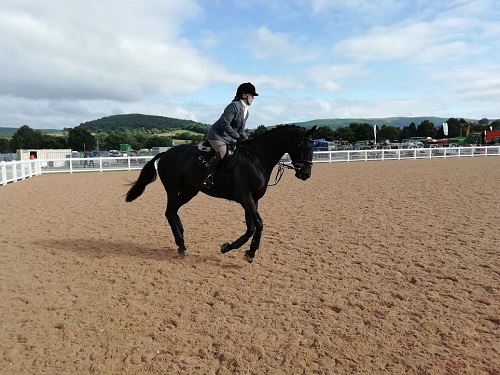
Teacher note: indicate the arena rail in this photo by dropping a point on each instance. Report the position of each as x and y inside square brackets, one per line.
[19, 170]
[13, 171]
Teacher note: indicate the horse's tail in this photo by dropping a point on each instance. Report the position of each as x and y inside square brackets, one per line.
[147, 175]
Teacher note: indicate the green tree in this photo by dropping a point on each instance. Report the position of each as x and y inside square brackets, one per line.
[409, 131]
[5, 145]
[326, 133]
[198, 128]
[26, 138]
[454, 128]
[100, 138]
[345, 134]
[159, 141]
[186, 136]
[54, 142]
[138, 140]
[80, 139]
[362, 132]
[426, 129]
[113, 140]
[388, 132]
[261, 129]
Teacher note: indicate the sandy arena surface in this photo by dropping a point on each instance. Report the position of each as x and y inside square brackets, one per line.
[367, 268]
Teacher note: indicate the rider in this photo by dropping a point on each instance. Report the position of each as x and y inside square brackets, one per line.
[229, 128]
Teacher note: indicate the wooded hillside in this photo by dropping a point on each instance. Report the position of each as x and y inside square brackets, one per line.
[136, 121]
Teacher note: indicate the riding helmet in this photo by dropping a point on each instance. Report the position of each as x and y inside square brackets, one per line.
[246, 88]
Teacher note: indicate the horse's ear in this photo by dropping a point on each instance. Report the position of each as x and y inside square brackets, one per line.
[311, 131]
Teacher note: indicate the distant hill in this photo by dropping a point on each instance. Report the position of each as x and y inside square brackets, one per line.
[129, 122]
[167, 124]
[139, 121]
[398, 122]
[10, 131]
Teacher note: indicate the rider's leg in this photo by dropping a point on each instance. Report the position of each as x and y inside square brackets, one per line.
[220, 151]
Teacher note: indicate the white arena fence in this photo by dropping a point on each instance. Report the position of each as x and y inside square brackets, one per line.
[19, 170]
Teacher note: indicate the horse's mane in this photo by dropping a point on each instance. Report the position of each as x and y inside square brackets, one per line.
[274, 130]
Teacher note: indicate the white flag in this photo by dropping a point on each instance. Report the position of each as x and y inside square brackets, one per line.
[445, 128]
[375, 131]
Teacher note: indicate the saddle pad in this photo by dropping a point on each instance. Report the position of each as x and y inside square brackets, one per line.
[202, 159]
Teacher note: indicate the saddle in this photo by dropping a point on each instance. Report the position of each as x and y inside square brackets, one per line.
[205, 153]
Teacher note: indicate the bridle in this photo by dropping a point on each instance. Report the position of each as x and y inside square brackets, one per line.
[297, 166]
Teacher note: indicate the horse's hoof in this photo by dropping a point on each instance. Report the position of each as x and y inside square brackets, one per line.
[248, 258]
[225, 247]
[182, 253]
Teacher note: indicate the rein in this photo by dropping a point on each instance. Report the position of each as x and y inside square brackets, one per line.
[279, 173]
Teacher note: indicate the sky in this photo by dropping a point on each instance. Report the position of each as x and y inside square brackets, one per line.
[64, 62]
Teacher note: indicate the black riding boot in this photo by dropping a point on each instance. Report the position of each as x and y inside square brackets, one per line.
[212, 166]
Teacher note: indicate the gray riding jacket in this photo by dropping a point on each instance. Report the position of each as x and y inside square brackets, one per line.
[231, 124]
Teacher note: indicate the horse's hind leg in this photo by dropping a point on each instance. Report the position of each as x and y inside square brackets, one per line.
[177, 230]
[174, 220]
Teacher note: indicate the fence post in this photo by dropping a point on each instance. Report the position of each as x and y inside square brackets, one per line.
[23, 170]
[39, 167]
[3, 167]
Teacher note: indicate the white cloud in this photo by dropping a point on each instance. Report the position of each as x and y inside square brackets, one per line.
[479, 83]
[136, 59]
[280, 47]
[63, 63]
[328, 77]
[358, 6]
[417, 42]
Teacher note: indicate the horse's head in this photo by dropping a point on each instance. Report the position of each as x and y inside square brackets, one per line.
[302, 155]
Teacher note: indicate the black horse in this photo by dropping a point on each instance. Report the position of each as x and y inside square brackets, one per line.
[243, 178]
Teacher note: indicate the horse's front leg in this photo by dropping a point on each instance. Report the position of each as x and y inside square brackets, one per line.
[254, 245]
[226, 247]
[254, 228]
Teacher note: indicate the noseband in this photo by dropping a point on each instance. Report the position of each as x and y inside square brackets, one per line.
[299, 165]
